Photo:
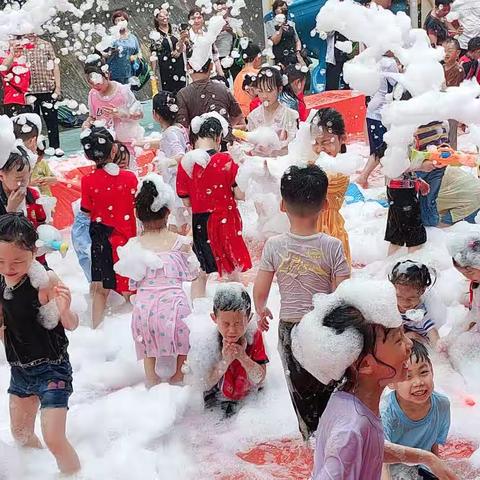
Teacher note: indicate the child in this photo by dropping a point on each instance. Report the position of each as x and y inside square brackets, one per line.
[242, 367]
[306, 262]
[15, 77]
[293, 93]
[375, 128]
[209, 187]
[163, 260]
[35, 313]
[108, 197]
[42, 175]
[414, 415]
[272, 113]
[354, 340]
[411, 280]
[173, 144]
[249, 86]
[252, 59]
[115, 104]
[329, 136]
[465, 252]
[469, 61]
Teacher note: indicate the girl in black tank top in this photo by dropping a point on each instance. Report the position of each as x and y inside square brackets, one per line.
[35, 311]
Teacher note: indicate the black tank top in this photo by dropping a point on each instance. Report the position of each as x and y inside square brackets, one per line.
[27, 342]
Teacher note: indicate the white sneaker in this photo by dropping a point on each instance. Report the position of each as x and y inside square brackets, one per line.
[59, 152]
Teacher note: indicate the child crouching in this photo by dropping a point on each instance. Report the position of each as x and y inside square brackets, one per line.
[242, 367]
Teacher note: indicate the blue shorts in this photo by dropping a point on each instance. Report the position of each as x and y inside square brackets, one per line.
[51, 383]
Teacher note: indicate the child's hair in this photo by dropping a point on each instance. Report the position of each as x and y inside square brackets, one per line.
[96, 67]
[251, 52]
[413, 274]
[165, 106]
[143, 203]
[304, 189]
[98, 145]
[294, 72]
[22, 133]
[210, 128]
[41, 145]
[419, 352]
[195, 10]
[270, 78]
[330, 120]
[17, 160]
[249, 81]
[17, 229]
[118, 14]
[473, 44]
[465, 250]
[443, 2]
[346, 317]
[452, 41]
[122, 156]
[232, 298]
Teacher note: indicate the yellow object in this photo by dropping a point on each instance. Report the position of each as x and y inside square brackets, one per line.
[42, 170]
[154, 87]
[331, 221]
[240, 134]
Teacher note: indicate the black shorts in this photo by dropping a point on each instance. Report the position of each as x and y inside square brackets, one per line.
[102, 256]
[376, 130]
[404, 222]
[201, 244]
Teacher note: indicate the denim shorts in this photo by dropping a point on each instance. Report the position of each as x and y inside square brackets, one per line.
[51, 383]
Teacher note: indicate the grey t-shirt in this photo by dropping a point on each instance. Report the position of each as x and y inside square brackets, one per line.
[304, 266]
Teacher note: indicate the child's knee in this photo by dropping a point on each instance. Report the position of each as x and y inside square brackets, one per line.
[55, 441]
[21, 434]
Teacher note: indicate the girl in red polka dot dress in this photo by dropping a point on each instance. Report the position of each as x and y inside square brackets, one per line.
[108, 197]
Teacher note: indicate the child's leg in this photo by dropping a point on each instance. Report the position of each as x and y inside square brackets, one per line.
[23, 412]
[53, 430]
[392, 249]
[199, 286]
[152, 378]
[370, 166]
[178, 377]
[414, 249]
[99, 303]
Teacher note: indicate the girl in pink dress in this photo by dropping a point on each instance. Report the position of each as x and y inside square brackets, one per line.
[157, 263]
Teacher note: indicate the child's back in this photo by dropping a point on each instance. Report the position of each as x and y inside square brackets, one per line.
[304, 266]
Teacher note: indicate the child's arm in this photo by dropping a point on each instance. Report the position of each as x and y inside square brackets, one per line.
[238, 194]
[261, 290]
[230, 352]
[433, 336]
[2, 326]
[63, 298]
[414, 456]
[256, 372]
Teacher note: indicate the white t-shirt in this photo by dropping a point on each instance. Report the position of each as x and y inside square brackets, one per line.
[469, 11]
[387, 65]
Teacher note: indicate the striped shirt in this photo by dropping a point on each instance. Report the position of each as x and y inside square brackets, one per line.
[421, 327]
[434, 133]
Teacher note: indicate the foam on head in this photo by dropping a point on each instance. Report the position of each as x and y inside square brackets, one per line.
[465, 249]
[232, 297]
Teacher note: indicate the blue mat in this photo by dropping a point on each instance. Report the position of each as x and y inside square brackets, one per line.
[354, 195]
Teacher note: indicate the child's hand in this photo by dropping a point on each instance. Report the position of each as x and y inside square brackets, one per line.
[230, 351]
[63, 298]
[263, 322]
[423, 187]
[15, 199]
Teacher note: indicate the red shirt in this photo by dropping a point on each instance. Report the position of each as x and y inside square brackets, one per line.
[302, 108]
[110, 199]
[35, 212]
[470, 67]
[210, 189]
[16, 82]
[235, 384]
[256, 102]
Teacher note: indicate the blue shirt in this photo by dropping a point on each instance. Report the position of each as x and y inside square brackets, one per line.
[119, 64]
[424, 433]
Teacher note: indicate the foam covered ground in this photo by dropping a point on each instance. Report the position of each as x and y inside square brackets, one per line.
[123, 431]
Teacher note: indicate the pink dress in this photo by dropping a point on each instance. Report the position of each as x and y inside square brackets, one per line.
[161, 306]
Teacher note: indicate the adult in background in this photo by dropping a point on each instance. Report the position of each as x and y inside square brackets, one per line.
[281, 31]
[335, 60]
[168, 52]
[45, 85]
[225, 41]
[124, 49]
[469, 11]
[436, 24]
[204, 95]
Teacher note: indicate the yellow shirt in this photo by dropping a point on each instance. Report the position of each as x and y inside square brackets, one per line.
[42, 170]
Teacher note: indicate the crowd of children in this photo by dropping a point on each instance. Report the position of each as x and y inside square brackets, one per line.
[341, 341]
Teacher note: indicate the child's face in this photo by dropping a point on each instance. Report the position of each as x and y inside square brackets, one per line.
[473, 274]
[451, 53]
[13, 180]
[231, 325]
[267, 96]
[98, 82]
[418, 386]
[328, 142]
[197, 21]
[475, 54]
[408, 297]
[392, 354]
[15, 262]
